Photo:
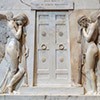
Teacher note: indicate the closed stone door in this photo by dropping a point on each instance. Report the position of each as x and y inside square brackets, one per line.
[53, 50]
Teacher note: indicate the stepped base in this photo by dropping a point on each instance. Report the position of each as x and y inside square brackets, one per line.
[52, 90]
[47, 97]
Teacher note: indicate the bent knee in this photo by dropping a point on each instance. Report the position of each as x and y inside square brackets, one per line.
[93, 48]
[22, 70]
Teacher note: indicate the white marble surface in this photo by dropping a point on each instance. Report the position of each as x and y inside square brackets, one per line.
[48, 97]
[17, 7]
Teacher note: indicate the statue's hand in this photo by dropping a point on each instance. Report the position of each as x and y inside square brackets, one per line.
[84, 30]
[27, 52]
[20, 26]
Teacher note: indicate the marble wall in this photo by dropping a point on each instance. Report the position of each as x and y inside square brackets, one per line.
[81, 7]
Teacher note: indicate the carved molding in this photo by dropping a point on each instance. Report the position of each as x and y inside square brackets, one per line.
[52, 5]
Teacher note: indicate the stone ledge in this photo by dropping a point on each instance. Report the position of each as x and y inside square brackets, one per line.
[48, 97]
[52, 90]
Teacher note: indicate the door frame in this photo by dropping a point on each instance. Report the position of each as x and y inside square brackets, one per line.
[35, 46]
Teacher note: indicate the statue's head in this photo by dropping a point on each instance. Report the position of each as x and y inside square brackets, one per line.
[15, 21]
[83, 21]
[21, 19]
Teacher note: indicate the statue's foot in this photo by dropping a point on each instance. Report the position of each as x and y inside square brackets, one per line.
[98, 93]
[16, 92]
[0, 91]
[95, 93]
[78, 85]
[75, 84]
[9, 89]
[91, 93]
[25, 85]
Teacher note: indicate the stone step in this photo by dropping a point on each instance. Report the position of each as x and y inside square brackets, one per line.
[48, 97]
[52, 90]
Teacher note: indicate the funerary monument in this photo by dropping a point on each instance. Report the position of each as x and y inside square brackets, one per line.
[50, 49]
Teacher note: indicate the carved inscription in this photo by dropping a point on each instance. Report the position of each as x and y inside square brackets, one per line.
[52, 5]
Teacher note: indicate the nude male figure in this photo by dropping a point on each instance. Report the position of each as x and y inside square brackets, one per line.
[89, 31]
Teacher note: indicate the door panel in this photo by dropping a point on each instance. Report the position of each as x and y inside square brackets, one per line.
[43, 36]
[53, 50]
[61, 36]
[43, 65]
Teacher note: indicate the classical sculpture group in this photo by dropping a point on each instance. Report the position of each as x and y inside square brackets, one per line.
[14, 49]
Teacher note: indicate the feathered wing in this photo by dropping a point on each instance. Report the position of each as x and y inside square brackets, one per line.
[3, 35]
[94, 15]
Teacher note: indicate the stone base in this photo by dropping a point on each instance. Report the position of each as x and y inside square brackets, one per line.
[47, 97]
[52, 90]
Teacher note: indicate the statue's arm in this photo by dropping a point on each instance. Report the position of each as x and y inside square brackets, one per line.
[90, 31]
[18, 32]
[87, 35]
[80, 37]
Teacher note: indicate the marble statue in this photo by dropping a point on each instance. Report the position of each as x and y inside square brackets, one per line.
[98, 62]
[16, 51]
[89, 30]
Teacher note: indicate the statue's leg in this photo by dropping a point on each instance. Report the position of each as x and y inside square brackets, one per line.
[12, 51]
[17, 77]
[89, 67]
[4, 86]
[11, 74]
[98, 71]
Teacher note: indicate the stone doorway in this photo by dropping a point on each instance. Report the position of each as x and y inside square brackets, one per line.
[52, 66]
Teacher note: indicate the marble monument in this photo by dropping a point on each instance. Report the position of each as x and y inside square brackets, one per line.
[49, 48]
